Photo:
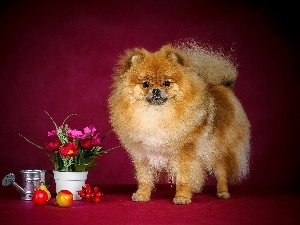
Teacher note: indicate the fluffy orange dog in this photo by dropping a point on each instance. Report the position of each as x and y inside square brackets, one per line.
[175, 113]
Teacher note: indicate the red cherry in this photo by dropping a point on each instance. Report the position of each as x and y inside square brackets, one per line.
[86, 186]
[90, 194]
[96, 189]
[96, 200]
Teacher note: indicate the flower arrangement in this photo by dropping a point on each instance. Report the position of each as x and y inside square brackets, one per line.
[73, 150]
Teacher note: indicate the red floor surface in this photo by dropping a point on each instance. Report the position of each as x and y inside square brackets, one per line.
[248, 205]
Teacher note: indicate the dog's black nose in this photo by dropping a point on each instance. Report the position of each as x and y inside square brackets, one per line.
[156, 93]
[156, 97]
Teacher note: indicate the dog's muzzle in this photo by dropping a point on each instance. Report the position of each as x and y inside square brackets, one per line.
[156, 97]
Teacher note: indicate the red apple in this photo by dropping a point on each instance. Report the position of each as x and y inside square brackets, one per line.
[40, 197]
[64, 198]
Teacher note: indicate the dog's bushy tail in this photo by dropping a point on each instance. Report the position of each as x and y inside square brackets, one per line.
[213, 66]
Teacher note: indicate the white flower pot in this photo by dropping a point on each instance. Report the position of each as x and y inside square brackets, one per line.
[72, 181]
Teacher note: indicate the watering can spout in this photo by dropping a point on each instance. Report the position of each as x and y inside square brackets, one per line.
[9, 179]
[19, 188]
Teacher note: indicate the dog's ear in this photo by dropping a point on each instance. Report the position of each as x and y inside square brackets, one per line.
[130, 58]
[174, 54]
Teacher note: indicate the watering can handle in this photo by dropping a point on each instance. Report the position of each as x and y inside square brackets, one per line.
[51, 178]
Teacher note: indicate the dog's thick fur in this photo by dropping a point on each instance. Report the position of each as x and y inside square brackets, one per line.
[175, 113]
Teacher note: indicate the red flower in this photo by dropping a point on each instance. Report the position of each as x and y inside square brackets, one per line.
[87, 143]
[53, 144]
[69, 150]
[91, 142]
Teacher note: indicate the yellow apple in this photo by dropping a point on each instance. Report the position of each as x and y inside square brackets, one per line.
[64, 198]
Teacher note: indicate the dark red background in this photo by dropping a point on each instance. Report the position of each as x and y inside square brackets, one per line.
[58, 56]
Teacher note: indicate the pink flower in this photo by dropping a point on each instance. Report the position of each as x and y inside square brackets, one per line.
[69, 150]
[74, 133]
[89, 131]
[54, 132]
[96, 139]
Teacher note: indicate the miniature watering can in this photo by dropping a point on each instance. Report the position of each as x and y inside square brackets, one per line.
[31, 180]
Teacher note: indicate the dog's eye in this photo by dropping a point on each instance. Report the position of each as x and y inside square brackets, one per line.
[146, 84]
[166, 83]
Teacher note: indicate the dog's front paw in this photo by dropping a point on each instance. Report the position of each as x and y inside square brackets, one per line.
[138, 197]
[223, 195]
[180, 200]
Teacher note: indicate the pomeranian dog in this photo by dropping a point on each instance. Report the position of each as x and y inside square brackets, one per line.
[175, 113]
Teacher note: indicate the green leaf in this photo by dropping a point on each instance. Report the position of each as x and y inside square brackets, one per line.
[90, 160]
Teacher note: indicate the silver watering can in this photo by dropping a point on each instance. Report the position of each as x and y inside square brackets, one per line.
[31, 180]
